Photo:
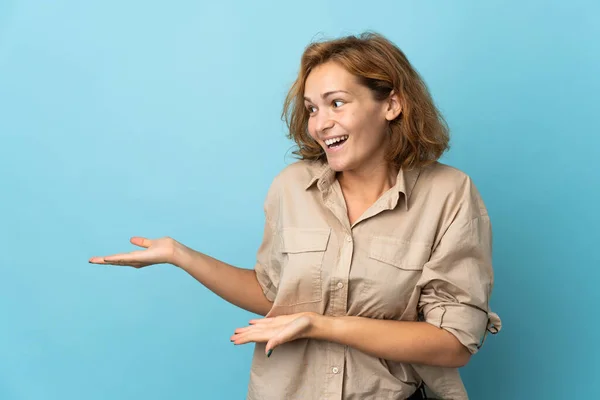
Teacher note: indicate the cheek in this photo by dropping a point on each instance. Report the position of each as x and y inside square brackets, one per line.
[311, 128]
[370, 127]
[355, 123]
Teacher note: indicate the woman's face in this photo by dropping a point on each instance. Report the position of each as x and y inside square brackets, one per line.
[346, 120]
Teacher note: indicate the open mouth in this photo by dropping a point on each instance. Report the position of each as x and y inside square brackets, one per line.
[336, 142]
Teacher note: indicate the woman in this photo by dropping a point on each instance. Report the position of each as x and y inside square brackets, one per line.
[375, 272]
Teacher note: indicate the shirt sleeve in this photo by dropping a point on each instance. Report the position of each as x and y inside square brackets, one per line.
[457, 281]
[267, 267]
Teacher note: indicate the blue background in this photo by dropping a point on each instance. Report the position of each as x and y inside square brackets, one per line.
[163, 118]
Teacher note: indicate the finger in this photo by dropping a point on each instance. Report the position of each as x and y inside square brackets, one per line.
[238, 339]
[247, 330]
[283, 336]
[260, 321]
[289, 332]
[140, 241]
[126, 258]
[271, 344]
[251, 336]
[96, 260]
[244, 329]
[100, 260]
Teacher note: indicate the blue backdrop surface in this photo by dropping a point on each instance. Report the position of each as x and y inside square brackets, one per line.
[163, 118]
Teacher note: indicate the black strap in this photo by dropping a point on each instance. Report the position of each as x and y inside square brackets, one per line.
[419, 394]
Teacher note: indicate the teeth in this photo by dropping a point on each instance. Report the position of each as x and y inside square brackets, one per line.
[329, 142]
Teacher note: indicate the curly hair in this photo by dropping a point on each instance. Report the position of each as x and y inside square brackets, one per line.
[419, 135]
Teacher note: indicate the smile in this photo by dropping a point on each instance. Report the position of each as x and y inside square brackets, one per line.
[336, 141]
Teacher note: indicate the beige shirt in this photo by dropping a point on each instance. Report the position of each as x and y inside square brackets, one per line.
[422, 251]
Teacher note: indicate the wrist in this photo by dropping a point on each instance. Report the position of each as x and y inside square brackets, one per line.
[321, 326]
[181, 255]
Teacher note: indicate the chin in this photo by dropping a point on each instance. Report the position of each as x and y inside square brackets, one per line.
[338, 165]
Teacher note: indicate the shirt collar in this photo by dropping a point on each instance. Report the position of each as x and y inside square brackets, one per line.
[322, 175]
[406, 179]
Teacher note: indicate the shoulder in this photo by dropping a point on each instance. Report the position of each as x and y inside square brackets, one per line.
[298, 174]
[452, 185]
[444, 176]
[293, 179]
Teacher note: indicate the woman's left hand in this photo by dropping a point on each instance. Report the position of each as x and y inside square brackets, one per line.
[275, 330]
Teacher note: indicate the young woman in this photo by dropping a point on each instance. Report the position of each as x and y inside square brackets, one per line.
[375, 270]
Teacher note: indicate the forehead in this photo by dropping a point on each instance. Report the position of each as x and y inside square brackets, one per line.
[328, 77]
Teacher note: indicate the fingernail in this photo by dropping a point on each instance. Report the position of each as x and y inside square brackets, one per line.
[269, 353]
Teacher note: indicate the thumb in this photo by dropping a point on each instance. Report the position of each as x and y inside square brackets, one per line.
[286, 335]
[271, 344]
[140, 241]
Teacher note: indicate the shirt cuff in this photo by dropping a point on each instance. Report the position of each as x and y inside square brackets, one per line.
[468, 324]
[265, 282]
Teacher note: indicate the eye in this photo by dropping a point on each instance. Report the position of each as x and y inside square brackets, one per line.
[336, 102]
[311, 109]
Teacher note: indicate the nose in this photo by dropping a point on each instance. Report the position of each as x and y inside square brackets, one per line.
[323, 124]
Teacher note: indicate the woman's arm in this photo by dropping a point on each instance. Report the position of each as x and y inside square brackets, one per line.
[236, 285]
[401, 341]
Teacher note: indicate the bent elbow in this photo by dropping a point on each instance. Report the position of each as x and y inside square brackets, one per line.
[460, 357]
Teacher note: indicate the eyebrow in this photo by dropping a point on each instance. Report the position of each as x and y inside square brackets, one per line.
[327, 94]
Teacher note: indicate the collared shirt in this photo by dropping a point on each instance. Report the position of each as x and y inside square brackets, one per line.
[422, 251]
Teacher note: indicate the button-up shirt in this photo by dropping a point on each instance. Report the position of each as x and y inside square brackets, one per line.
[422, 251]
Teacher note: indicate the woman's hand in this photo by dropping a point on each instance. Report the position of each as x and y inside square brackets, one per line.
[276, 330]
[157, 251]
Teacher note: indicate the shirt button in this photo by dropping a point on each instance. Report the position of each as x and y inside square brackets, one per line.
[340, 285]
[348, 238]
[335, 370]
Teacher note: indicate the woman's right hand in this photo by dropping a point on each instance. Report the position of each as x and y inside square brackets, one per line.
[157, 251]
[238, 286]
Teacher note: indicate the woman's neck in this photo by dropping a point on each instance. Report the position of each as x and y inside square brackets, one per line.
[368, 184]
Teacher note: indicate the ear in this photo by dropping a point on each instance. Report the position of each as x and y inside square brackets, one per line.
[394, 106]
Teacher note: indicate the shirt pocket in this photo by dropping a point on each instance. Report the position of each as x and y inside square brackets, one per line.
[404, 255]
[303, 250]
[394, 267]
